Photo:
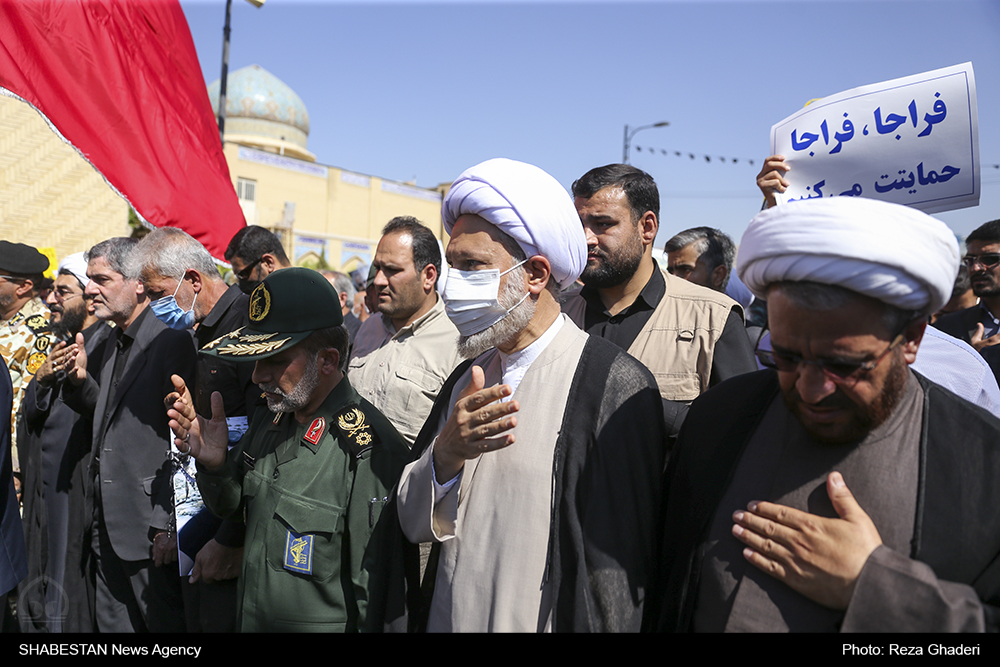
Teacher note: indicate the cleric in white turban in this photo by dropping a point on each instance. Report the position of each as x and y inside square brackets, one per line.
[529, 206]
[77, 266]
[552, 439]
[890, 252]
[836, 490]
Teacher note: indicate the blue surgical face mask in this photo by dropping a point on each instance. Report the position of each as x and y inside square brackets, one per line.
[167, 311]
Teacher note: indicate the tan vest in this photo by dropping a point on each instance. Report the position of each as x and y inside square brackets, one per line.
[677, 343]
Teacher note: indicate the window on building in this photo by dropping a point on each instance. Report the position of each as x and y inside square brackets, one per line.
[246, 189]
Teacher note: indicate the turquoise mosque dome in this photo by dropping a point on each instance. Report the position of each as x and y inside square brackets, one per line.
[262, 111]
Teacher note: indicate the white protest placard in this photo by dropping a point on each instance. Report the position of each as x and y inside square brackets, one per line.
[912, 141]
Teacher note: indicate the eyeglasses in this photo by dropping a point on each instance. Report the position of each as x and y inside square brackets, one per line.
[988, 260]
[64, 293]
[244, 274]
[787, 362]
[13, 279]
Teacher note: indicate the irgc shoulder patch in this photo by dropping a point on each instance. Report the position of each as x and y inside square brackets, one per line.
[298, 553]
[356, 431]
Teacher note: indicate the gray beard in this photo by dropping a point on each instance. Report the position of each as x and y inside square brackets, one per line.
[470, 347]
[299, 396]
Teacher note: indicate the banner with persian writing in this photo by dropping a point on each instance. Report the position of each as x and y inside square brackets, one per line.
[912, 141]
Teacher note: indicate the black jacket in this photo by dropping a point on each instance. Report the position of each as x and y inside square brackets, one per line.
[131, 435]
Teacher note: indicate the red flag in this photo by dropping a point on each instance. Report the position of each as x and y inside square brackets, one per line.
[120, 81]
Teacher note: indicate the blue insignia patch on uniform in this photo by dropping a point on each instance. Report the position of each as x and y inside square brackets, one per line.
[298, 553]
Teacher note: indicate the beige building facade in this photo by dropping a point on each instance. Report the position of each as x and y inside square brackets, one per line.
[324, 215]
[50, 197]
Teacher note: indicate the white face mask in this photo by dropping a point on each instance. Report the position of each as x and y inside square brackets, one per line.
[472, 299]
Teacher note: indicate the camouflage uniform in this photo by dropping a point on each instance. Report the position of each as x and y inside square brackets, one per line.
[24, 345]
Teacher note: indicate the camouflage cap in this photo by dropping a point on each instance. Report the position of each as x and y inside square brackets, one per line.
[284, 309]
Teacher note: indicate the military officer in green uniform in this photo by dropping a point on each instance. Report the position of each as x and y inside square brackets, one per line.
[310, 476]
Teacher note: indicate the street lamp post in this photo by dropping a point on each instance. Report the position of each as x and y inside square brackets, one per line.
[629, 135]
[225, 66]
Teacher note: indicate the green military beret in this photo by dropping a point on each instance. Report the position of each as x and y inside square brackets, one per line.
[22, 259]
[284, 309]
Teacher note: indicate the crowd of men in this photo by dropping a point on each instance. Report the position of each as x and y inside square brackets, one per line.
[534, 428]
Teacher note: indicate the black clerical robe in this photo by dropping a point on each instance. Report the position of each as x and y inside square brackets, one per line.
[956, 528]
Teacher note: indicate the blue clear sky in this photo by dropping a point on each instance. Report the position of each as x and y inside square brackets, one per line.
[420, 91]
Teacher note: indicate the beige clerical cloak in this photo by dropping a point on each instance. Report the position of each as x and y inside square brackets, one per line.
[494, 524]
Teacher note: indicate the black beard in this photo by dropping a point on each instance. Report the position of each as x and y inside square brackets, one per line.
[614, 269]
[70, 324]
[866, 418]
[989, 291]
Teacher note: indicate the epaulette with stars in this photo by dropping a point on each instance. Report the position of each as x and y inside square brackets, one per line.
[356, 431]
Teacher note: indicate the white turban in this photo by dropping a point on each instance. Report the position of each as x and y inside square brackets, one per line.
[76, 265]
[527, 204]
[892, 253]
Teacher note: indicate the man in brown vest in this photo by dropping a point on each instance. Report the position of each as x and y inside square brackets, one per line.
[690, 337]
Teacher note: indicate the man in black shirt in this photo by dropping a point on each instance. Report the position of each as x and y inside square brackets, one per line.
[979, 326]
[184, 287]
[132, 530]
[255, 253]
[690, 337]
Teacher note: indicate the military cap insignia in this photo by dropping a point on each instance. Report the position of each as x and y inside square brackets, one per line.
[315, 431]
[252, 338]
[243, 349]
[260, 303]
[356, 431]
[212, 344]
[298, 553]
[283, 311]
[35, 362]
